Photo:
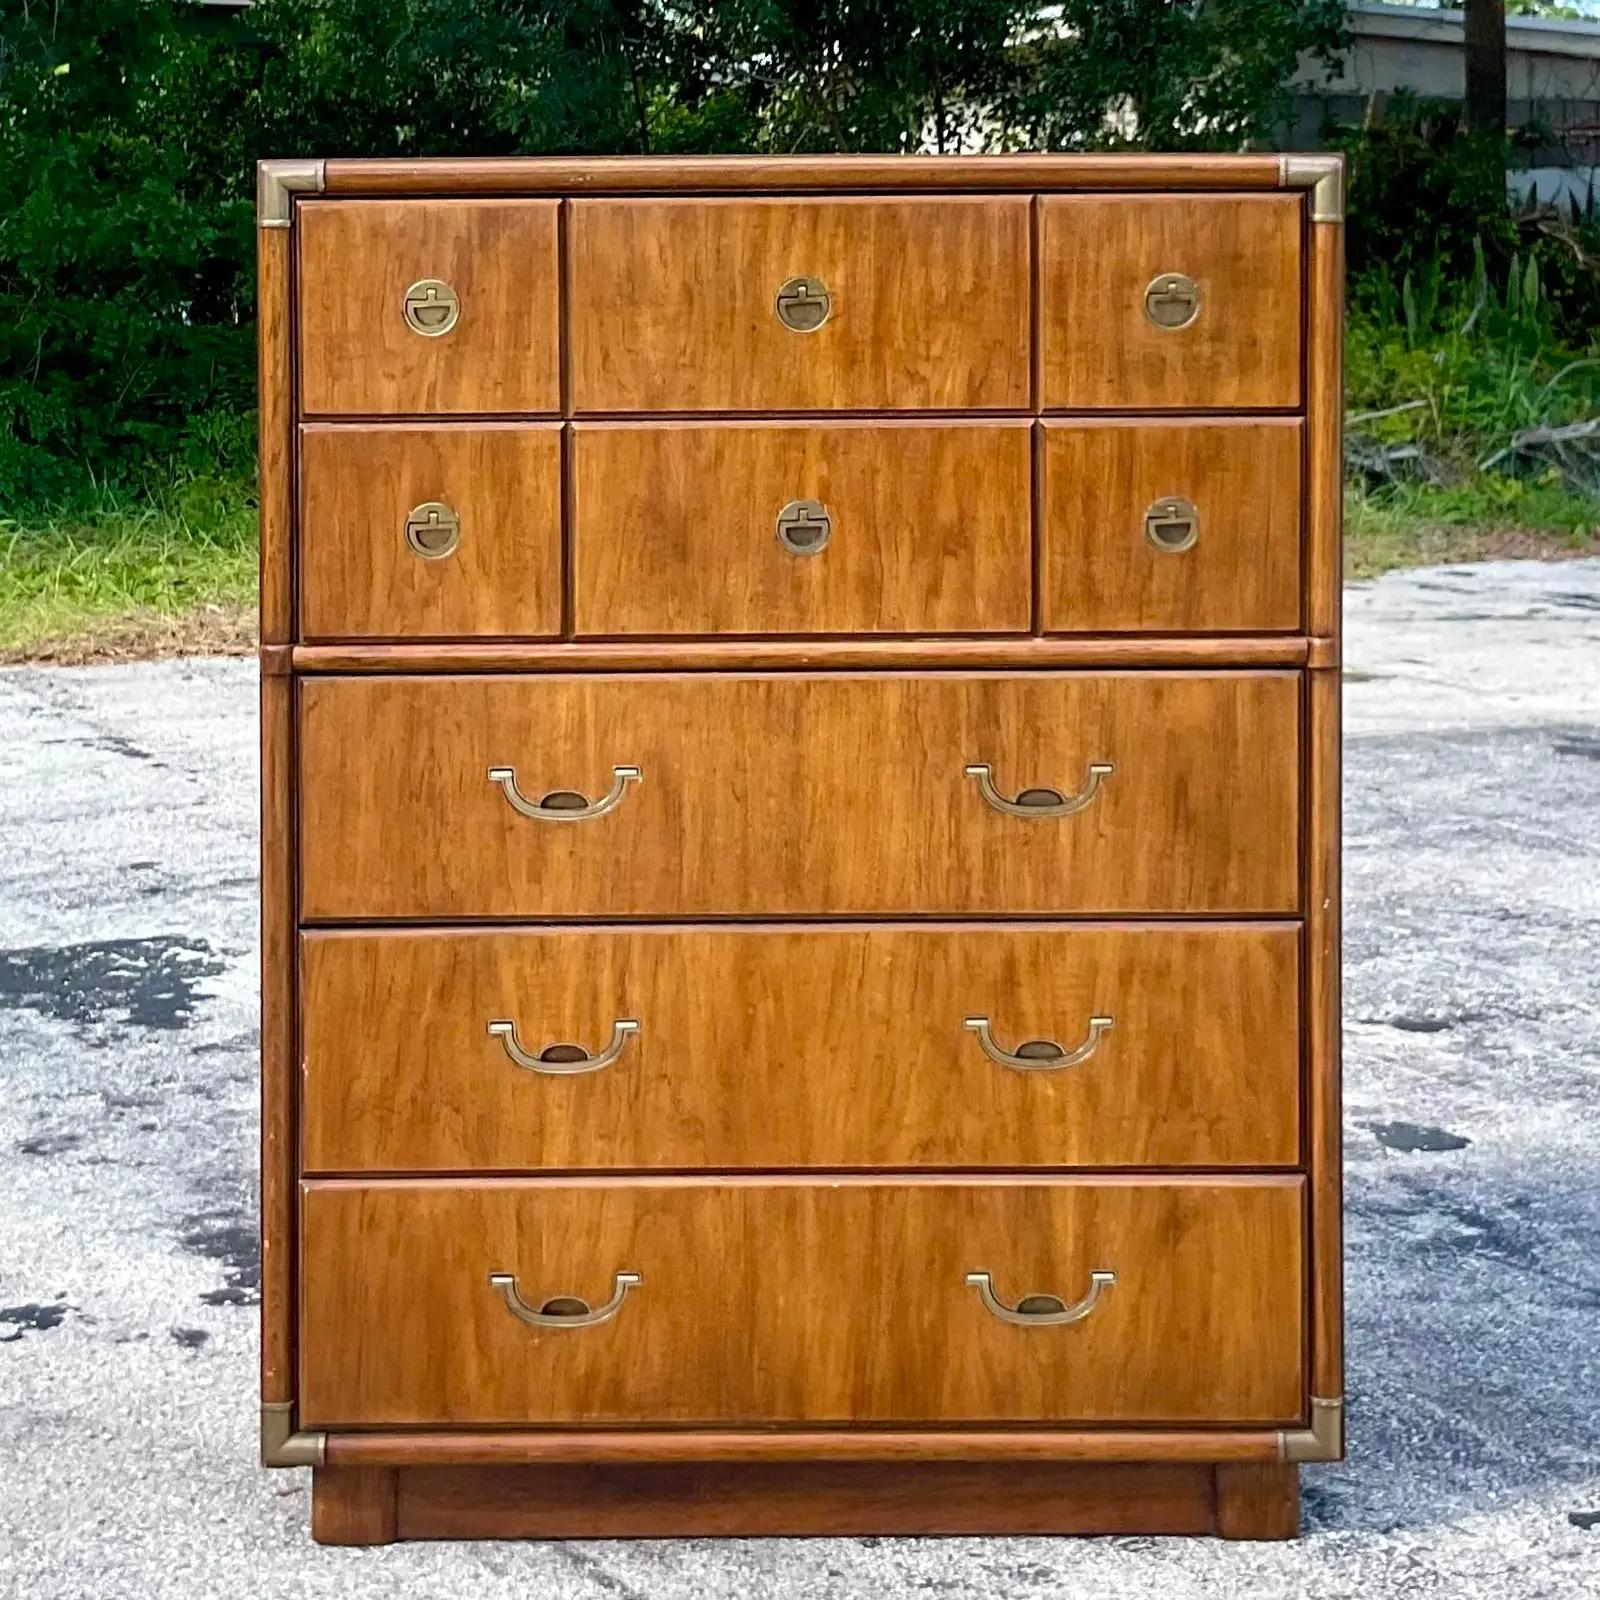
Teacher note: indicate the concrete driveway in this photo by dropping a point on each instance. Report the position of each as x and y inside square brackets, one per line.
[128, 1274]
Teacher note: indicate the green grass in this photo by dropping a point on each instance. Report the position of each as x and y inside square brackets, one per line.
[174, 571]
[1446, 375]
[131, 575]
[1487, 517]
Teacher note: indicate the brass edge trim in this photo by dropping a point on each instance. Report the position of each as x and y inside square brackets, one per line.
[1322, 1441]
[1323, 175]
[281, 1446]
[277, 181]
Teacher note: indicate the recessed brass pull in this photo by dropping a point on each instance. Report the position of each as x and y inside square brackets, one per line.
[433, 530]
[1039, 1055]
[1172, 525]
[564, 1311]
[431, 307]
[1041, 1310]
[563, 805]
[1040, 802]
[804, 527]
[804, 304]
[1172, 301]
[564, 1060]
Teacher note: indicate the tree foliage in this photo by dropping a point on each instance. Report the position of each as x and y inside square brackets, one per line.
[129, 128]
[1174, 77]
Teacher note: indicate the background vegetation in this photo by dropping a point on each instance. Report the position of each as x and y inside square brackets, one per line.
[1473, 350]
[129, 129]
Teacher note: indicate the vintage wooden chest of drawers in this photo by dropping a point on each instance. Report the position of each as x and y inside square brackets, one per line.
[800, 843]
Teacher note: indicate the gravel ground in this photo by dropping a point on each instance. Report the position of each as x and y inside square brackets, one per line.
[128, 1277]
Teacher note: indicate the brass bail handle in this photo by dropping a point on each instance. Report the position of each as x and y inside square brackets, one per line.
[1041, 1310]
[1038, 1055]
[563, 1060]
[1039, 802]
[1172, 300]
[563, 805]
[563, 1311]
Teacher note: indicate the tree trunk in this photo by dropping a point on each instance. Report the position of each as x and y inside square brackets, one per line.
[1486, 66]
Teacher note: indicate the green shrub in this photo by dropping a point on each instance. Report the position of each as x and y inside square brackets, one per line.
[162, 553]
[1474, 330]
[126, 242]
[1427, 197]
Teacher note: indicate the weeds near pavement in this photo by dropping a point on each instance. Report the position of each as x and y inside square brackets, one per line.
[175, 550]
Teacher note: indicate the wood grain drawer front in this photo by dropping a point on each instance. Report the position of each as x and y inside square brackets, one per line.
[1151, 526]
[918, 304]
[794, 1301]
[1118, 332]
[794, 794]
[430, 530]
[787, 1047]
[428, 306]
[706, 528]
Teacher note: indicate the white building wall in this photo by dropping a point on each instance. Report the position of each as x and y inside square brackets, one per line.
[1552, 73]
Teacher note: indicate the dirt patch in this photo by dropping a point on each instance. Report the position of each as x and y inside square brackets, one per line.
[211, 630]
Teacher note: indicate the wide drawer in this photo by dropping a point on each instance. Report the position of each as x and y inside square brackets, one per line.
[660, 1047]
[1170, 302]
[799, 304]
[1151, 525]
[654, 795]
[430, 530]
[782, 528]
[778, 1300]
[417, 306]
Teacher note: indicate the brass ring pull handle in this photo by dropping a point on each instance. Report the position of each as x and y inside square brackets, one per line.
[1040, 802]
[433, 530]
[1172, 525]
[1041, 1310]
[565, 1311]
[804, 527]
[1172, 301]
[431, 307]
[1039, 1055]
[803, 304]
[563, 805]
[564, 1060]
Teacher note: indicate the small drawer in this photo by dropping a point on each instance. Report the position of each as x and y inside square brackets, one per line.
[850, 1301]
[1171, 302]
[416, 307]
[1170, 526]
[774, 528]
[656, 795]
[771, 1046]
[439, 530]
[799, 304]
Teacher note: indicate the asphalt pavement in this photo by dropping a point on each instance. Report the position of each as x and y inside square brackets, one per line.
[128, 1238]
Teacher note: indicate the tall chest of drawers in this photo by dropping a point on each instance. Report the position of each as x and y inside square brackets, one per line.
[800, 843]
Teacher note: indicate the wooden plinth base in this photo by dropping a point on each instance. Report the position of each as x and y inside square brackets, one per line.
[376, 1505]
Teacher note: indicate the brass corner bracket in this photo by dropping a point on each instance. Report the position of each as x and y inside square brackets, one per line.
[277, 182]
[281, 1446]
[1323, 175]
[1322, 1441]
